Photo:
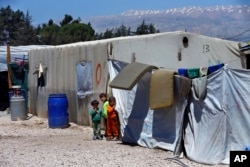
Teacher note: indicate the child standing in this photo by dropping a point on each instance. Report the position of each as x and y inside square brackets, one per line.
[96, 115]
[112, 121]
[104, 99]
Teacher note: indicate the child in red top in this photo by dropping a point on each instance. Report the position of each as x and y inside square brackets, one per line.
[112, 120]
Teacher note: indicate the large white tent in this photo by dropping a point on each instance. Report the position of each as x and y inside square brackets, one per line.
[171, 50]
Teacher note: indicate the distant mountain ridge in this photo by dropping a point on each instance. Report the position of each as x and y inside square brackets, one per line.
[229, 22]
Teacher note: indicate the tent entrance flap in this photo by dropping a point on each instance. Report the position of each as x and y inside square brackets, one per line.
[130, 75]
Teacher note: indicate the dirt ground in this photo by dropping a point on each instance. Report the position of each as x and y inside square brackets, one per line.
[29, 143]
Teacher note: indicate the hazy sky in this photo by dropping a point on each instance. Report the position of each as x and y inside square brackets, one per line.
[43, 10]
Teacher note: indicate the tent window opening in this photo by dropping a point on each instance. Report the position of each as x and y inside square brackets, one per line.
[185, 42]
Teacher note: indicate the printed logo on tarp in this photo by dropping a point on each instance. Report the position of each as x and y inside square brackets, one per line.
[239, 158]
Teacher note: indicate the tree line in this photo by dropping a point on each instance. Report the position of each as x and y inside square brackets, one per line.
[16, 29]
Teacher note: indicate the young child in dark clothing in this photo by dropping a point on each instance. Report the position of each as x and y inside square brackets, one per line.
[96, 114]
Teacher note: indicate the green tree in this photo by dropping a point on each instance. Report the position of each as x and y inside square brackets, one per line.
[49, 33]
[114, 32]
[144, 28]
[27, 33]
[76, 32]
[16, 28]
[122, 31]
[108, 34]
[69, 31]
[50, 23]
[67, 19]
[78, 20]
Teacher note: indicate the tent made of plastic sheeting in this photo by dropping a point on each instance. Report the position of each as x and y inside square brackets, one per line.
[159, 128]
[170, 50]
[78, 70]
[219, 123]
[18, 53]
[206, 128]
[83, 70]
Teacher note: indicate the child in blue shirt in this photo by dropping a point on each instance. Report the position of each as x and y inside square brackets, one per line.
[96, 114]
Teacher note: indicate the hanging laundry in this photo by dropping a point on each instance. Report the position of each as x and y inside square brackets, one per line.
[214, 68]
[199, 85]
[193, 72]
[203, 71]
[161, 89]
[40, 81]
[40, 71]
[185, 85]
[182, 72]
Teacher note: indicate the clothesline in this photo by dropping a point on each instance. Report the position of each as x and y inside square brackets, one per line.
[199, 72]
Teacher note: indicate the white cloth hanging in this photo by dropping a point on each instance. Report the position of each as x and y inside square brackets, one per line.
[40, 70]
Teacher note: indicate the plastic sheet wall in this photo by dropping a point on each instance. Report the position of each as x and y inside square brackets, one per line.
[166, 50]
[60, 77]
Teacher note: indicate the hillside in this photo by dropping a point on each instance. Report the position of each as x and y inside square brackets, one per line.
[229, 22]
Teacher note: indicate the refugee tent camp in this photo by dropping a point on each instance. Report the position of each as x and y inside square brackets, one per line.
[204, 116]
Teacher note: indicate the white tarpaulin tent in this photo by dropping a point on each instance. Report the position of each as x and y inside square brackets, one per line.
[208, 127]
[220, 122]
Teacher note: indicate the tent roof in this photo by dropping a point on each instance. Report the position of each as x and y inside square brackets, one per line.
[16, 52]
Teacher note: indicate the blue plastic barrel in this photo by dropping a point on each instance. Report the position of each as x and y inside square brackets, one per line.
[58, 116]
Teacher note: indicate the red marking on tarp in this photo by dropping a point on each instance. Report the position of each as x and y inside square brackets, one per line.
[98, 73]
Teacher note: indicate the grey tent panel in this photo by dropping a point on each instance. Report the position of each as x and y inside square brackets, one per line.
[130, 75]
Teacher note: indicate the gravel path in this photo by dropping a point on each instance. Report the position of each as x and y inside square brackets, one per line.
[32, 143]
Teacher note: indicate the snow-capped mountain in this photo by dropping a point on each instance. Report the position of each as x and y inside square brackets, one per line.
[229, 22]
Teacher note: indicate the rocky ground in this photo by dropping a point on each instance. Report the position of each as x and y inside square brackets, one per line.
[29, 143]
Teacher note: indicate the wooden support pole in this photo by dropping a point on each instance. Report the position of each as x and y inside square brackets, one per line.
[8, 58]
